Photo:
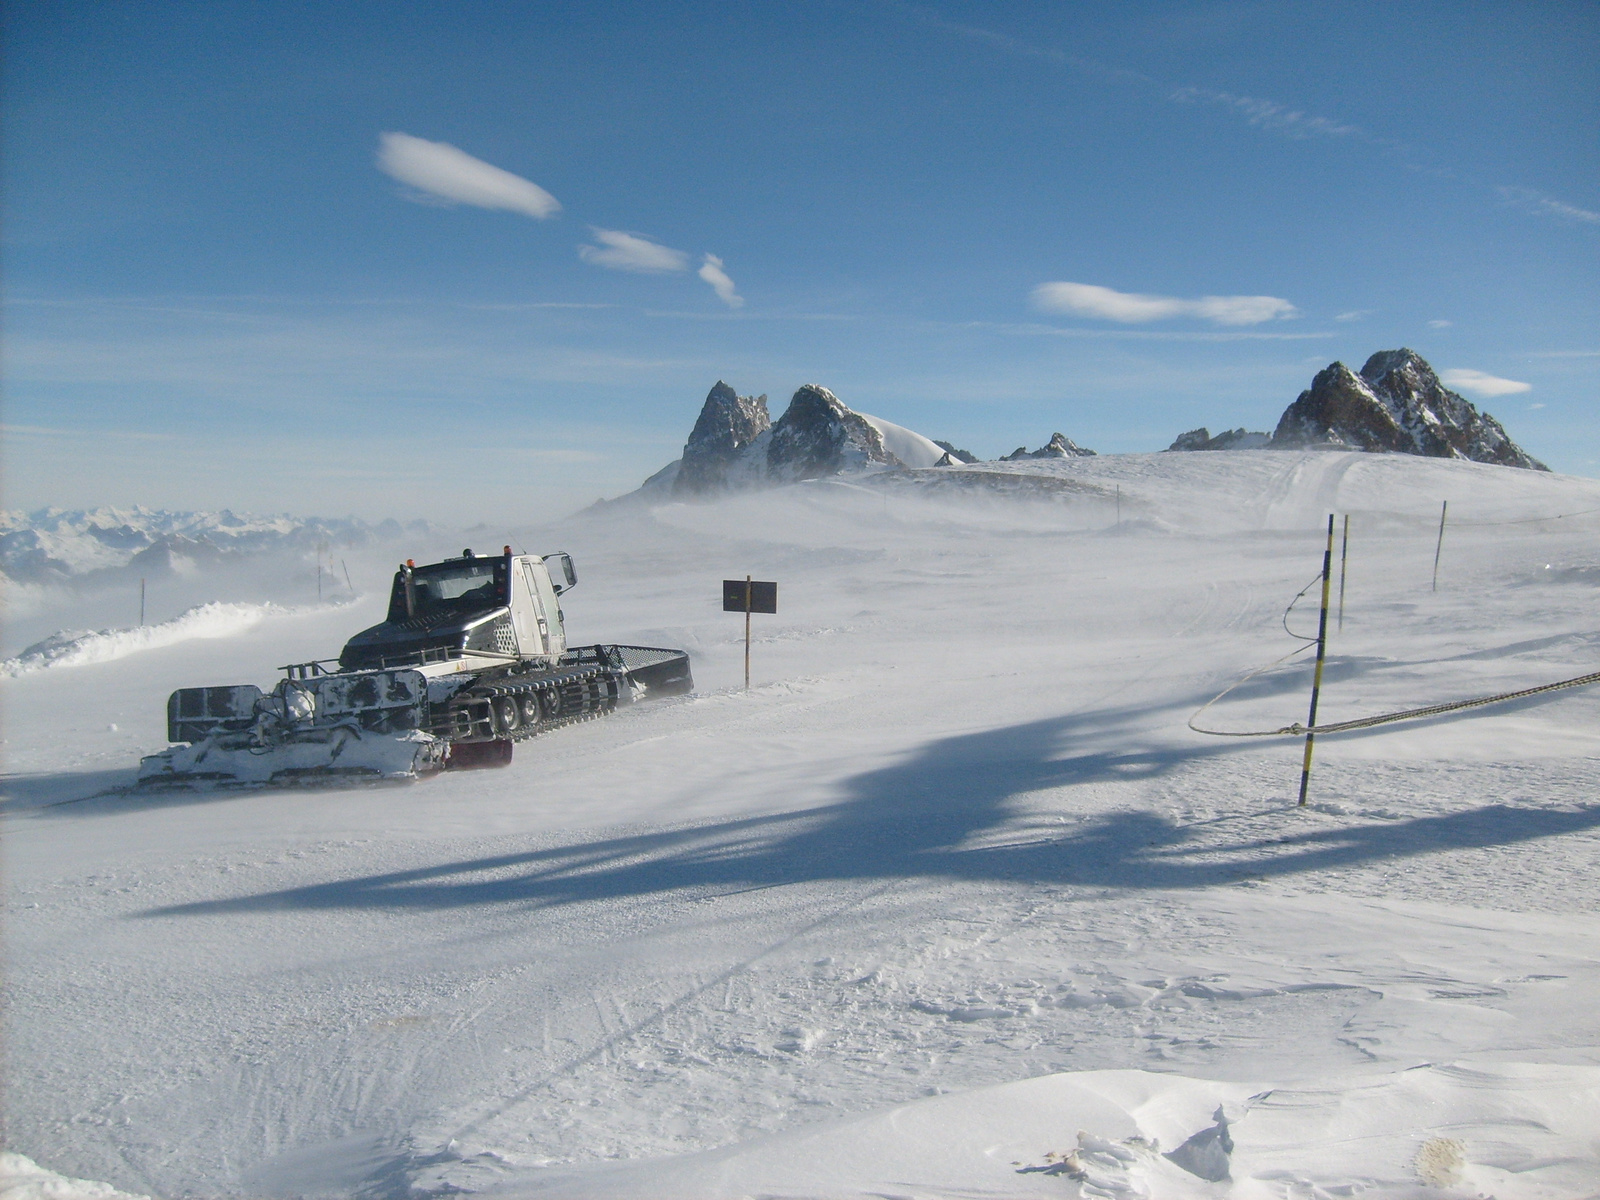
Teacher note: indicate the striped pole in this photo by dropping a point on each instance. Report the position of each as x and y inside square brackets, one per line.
[1344, 557]
[1322, 649]
[1443, 508]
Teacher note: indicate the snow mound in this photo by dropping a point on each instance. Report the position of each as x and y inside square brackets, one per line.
[78, 648]
[1518, 1131]
[23, 1179]
[909, 446]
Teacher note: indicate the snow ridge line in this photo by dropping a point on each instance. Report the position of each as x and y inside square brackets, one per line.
[76, 648]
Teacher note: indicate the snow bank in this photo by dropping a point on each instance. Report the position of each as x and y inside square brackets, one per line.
[1518, 1132]
[905, 444]
[77, 648]
[23, 1179]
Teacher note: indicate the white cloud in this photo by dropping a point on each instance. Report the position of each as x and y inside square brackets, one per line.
[1439, 323]
[1132, 308]
[1268, 114]
[629, 252]
[1480, 384]
[711, 271]
[1354, 314]
[440, 170]
[1538, 203]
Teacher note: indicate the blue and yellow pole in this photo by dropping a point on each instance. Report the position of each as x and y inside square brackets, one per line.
[1322, 649]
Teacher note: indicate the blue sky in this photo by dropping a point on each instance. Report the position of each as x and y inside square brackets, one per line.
[226, 286]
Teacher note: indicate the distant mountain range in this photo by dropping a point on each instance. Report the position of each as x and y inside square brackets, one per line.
[108, 545]
[1395, 404]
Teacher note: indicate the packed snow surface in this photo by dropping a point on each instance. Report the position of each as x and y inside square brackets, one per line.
[952, 903]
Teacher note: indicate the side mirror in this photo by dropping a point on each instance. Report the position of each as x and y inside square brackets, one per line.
[563, 578]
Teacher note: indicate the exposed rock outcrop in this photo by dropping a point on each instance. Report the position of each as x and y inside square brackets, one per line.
[728, 423]
[735, 444]
[1059, 446]
[1396, 403]
[817, 436]
[954, 455]
[1228, 439]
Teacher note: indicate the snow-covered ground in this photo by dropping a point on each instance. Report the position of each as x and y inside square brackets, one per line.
[953, 903]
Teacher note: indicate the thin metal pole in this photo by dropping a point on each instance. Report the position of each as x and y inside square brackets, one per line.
[1322, 648]
[1443, 508]
[348, 584]
[747, 633]
[1344, 555]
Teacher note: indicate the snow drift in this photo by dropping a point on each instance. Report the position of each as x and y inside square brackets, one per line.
[77, 648]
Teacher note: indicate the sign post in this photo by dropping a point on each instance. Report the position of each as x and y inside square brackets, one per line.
[748, 596]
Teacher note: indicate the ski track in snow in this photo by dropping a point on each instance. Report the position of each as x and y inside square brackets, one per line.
[951, 884]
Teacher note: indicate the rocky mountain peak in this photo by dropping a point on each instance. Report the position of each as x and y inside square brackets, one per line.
[1396, 404]
[728, 423]
[954, 454]
[817, 435]
[1228, 439]
[1059, 446]
[1404, 367]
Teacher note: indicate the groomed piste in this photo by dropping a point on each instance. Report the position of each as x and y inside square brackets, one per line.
[952, 903]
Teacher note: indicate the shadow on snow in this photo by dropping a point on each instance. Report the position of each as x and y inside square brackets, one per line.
[921, 818]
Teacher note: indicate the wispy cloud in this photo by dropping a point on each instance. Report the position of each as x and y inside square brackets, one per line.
[1440, 323]
[117, 434]
[629, 252]
[1355, 314]
[1481, 384]
[442, 172]
[1269, 114]
[711, 271]
[1541, 205]
[1016, 46]
[1133, 308]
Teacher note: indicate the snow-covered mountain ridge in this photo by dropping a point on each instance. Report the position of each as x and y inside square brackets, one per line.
[54, 545]
[1395, 404]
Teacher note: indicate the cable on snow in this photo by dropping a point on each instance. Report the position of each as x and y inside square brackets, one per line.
[1410, 714]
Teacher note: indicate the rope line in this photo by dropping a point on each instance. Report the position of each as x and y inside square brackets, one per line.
[1410, 714]
[1523, 520]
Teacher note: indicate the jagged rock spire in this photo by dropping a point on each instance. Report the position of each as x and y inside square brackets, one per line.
[728, 423]
[1059, 446]
[817, 435]
[1396, 404]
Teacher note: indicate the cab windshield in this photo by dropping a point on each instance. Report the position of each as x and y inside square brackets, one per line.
[462, 585]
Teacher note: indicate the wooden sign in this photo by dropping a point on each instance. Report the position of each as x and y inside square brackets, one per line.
[749, 595]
